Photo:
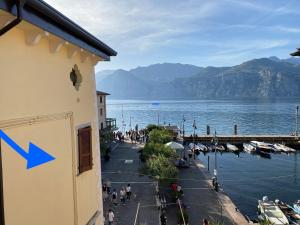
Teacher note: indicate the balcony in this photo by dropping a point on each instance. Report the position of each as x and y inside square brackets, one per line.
[111, 124]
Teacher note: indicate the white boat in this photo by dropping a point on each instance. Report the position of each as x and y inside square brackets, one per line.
[232, 148]
[262, 146]
[283, 148]
[296, 207]
[269, 211]
[193, 146]
[249, 148]
[202, 147]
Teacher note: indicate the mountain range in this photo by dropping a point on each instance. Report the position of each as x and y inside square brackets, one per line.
[264, 77]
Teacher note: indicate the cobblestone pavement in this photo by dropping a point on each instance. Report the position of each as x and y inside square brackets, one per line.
[123, 168]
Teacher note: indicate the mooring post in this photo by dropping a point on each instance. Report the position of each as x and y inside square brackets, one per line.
[235, 129]
[208, 162]
[207, 130]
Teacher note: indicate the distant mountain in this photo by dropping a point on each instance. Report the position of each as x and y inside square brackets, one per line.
[265, 77]
[292, 60]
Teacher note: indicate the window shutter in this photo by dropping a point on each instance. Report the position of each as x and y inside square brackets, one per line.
[85, 149]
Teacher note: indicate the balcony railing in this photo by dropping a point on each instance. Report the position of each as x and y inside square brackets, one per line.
[111, 124]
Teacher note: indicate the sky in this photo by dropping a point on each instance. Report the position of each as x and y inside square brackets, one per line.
[198, 32]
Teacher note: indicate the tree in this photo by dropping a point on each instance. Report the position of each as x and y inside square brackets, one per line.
[160, 136]
[162, 168]
[151, 127]
[156, 149]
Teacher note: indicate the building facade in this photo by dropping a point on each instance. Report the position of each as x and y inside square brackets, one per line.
[101, 102]
[48, 98]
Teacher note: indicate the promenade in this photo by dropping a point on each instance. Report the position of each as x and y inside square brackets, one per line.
[199, 197]
[123, 168]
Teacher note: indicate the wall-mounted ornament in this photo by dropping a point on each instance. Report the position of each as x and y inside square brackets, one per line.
[76, 77]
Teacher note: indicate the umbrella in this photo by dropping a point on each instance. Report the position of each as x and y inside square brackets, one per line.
[175, 145]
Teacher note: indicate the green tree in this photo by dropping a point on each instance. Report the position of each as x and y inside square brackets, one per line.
[156, 149]
[160, 136]
[162, 168]
[151, 127]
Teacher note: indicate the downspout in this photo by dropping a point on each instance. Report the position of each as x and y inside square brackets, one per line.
[15, 22]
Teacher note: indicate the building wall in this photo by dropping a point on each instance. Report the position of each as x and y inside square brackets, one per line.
[35, 82]
[102, 118]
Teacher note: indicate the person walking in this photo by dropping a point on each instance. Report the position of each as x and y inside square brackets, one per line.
[205, 222]
[111, 217]
[104, 192]
[163, 218]
[108, 186]
[114, 197]
[122, 195]
[128, 191]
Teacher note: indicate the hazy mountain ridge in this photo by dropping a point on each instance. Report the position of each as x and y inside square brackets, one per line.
[265, 77]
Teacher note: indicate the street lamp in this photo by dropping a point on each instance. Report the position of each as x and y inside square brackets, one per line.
[215, 180]
[183, 120]
[297, 111]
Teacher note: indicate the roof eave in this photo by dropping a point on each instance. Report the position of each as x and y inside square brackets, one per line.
[49, 19]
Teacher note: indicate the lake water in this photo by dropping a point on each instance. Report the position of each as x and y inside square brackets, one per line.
[247, 178]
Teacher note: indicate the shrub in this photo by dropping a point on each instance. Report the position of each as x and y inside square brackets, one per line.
[160, 136]
[151, 127]
[161, 168]
[156, 149]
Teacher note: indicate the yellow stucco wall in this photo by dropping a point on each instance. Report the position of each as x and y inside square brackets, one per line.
[35, 82]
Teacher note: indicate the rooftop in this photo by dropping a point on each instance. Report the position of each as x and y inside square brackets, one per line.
[297, 53]
[102, 93]
[42, 15]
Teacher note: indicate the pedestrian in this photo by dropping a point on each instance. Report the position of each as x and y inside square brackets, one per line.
[163, 218]
[104, 192]
[128, 191]
[205, 222]
[111, 217]
[122, 195]
[108, 185]
[114, 197]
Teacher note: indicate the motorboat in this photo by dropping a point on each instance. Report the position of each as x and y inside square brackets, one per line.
[202, 147]
[249, 148]
[262, 146]
[271, 212]
[194, 146]
[296, 207]
[293, 217]
[232, 147]
[284, 148]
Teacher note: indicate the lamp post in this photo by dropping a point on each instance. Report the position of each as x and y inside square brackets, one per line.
[215, 142]
[194, 127]
[297, 111]
[183, 120]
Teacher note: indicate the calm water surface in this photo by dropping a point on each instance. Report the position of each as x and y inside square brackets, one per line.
[247, 178]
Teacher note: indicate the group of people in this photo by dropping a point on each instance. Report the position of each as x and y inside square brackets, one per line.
[137, 136]
[125, 194]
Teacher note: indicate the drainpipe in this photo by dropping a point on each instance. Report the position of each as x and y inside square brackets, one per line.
[15, 22]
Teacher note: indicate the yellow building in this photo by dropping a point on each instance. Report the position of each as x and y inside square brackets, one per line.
[49, 134]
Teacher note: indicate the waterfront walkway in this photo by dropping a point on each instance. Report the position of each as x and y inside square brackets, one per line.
[199, 197]
[123, 168]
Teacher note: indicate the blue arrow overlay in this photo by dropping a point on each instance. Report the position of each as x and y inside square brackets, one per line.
[35, 156]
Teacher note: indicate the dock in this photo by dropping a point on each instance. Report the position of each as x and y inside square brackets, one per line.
[240, 139]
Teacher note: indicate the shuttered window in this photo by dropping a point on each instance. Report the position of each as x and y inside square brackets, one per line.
[85, 149]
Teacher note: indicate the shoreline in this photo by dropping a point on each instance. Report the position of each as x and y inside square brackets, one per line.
[236, 216]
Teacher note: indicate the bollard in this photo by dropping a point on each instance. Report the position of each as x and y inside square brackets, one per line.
[207, 130]
[235, 129]
[208, 163]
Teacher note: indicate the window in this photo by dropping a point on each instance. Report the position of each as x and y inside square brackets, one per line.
[101, 126]
[85, 149]
[100, 99]
[101, 112]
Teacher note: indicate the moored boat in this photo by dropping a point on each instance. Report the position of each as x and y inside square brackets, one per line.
[249, 148]
[232, 148]
[262, 146]
[283, 148]
[202, 147]
[271, 212]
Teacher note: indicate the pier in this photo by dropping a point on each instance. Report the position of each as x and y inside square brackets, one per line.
[240, 139]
